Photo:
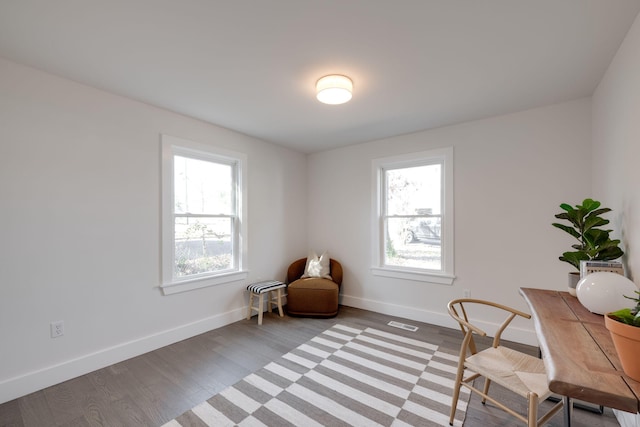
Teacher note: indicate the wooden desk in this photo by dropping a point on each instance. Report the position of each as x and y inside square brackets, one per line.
[578, 353]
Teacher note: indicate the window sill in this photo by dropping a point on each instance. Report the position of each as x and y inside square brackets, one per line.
[419, 276]
[204, 282]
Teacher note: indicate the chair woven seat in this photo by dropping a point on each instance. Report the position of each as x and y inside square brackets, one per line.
[518, 372]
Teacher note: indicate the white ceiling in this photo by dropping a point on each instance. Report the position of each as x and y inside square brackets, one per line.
[251, 65]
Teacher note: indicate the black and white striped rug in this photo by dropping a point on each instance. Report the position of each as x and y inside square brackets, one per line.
[343, 377]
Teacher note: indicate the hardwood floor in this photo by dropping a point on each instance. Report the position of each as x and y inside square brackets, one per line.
[154, 388]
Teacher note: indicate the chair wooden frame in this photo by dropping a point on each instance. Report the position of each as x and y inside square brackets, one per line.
[534, 389]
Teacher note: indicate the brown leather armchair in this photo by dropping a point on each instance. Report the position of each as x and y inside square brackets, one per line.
[313, 296]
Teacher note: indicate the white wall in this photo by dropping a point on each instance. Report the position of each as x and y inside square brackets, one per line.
[616, 146]
[80, 228]
[511, 174]
[616, 154]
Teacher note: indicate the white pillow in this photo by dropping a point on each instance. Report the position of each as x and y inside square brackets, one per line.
[318, 266]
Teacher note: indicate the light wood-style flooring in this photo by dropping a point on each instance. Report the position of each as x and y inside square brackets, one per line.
[154, 388]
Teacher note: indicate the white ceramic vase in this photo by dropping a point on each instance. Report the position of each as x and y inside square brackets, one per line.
[604, 292]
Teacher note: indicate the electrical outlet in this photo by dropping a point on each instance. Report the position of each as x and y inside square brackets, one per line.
[57, 329]
[466, 293]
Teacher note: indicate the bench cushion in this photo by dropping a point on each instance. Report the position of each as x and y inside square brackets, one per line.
[265, 286]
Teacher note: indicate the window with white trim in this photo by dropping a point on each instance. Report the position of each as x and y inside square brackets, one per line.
[413, 216]
[204, 212]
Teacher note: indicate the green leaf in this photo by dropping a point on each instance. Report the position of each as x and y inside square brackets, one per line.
[599, 212]
[590, 205]
[594, 221]
[576, 217]
[624, 315]
[574, 258]
[568, 229]
[596, 237]
[609, 254]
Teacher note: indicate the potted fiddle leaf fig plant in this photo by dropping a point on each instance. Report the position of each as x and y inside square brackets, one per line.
[593, 242]
[624, 327]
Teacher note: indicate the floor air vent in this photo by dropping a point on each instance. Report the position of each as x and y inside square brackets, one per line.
[403, 326]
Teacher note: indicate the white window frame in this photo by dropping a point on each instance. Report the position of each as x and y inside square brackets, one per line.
[446, 274]
[172, 146]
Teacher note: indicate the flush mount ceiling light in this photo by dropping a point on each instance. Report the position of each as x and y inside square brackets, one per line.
[334, 89]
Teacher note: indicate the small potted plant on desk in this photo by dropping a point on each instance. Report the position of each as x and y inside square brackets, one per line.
[624, 327]
[594, 243]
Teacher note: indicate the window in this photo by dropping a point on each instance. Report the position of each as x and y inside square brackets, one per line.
[203, 236]
[413, 216]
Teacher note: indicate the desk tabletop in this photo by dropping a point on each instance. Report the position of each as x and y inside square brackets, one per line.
[578, 352]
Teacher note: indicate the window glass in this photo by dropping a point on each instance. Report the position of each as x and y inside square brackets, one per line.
[202, 245]
[204, 207]
[202, 187]
[413, 220]
[413, 216]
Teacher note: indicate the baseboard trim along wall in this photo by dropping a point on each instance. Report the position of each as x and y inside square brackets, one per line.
[512, 333]
[30, 382]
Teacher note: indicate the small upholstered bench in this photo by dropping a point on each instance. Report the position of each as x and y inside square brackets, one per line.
[259, 290]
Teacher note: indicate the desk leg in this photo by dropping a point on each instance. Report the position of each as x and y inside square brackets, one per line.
[568, 410]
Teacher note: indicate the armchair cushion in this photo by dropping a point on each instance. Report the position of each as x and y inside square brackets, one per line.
[296, 270]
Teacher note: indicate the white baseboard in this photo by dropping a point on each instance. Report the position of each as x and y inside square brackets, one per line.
[21, 385]
[513, 333]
